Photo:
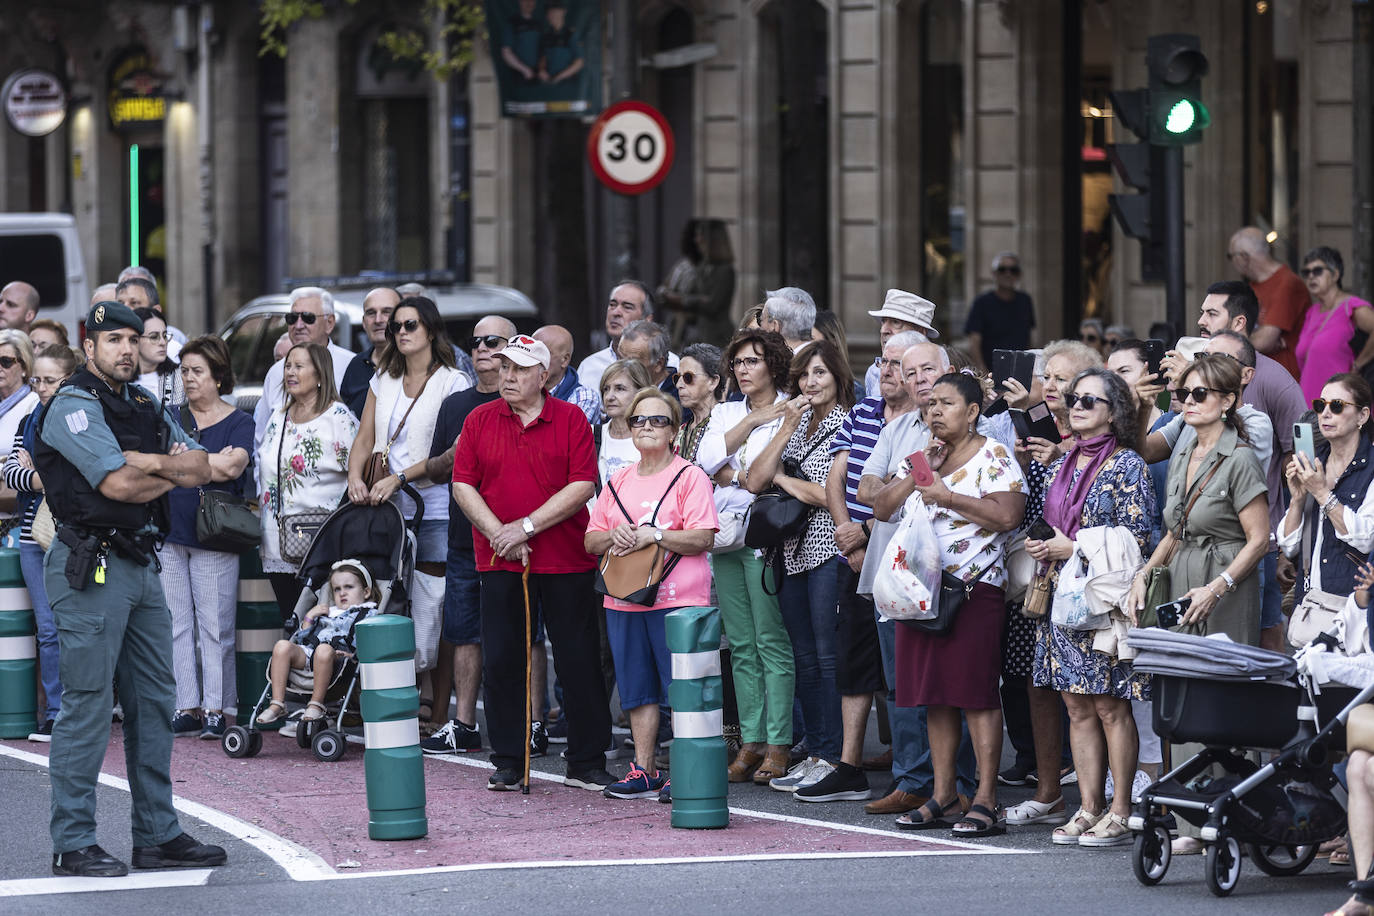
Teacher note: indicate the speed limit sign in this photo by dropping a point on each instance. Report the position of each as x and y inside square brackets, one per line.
[631, 147]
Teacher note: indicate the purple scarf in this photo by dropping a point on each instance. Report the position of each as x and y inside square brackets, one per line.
[1063, 501]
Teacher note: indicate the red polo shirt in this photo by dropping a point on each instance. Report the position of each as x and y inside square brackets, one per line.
[517, 468]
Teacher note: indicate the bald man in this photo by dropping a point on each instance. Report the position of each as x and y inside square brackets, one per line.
[1283, 298]
[563, 381]
[378, 305]
[18, 305]
[105, 292]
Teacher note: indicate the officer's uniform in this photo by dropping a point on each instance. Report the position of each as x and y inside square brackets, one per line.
[112, 618]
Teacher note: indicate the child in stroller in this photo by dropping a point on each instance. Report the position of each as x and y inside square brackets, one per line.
[324, 633]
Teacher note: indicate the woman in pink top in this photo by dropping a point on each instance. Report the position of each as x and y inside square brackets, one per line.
[660, 499]
[1324, 345]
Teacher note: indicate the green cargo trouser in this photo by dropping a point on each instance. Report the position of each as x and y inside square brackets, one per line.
[123, 630]
[760, 650]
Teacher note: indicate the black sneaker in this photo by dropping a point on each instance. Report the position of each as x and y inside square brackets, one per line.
[506, 779]
[91, 862]
[539, 740]
[185, 725]
[844, 783]
[214, 727]
[594, 778]
[182, 851]
[665, 794]
[453, 738]
[1017, 775]
[557, 731]
[44, 733]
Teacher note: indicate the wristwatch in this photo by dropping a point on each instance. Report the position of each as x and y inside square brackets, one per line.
[401, 476]
[658, 535]
[527, 526]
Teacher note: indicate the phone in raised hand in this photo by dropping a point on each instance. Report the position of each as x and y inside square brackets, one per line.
[1303, 442]
[921, 472]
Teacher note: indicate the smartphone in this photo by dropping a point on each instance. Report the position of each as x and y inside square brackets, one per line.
[920, 469]
[1040, 530]
[1169, 614]
[1036, 421]
[1154, 354]
[1003, 366]
[1302, 441]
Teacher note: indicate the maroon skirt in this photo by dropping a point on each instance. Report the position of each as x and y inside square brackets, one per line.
[961, 668]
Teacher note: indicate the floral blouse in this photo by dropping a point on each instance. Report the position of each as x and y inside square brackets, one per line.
[306, 470]
[966, 548]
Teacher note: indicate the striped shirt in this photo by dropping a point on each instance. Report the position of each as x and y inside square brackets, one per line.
[20, 479]
[858, 434]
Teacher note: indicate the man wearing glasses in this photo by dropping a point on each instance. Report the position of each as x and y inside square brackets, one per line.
[310, 320]
[1002, 317]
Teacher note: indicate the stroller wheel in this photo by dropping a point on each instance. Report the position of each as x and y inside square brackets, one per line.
[1223, 865]
[254, 743]
[1150, 855]
[236, 741]
[329, 745]
[1281, 861]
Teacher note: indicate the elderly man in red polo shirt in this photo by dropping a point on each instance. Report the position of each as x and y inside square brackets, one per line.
[523, 472]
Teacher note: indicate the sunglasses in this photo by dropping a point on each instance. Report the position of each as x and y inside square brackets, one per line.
[1198, 394]
[657, 421]
[490, 341]
[1312, 271]
[1008, 270]
[685, 378]
[411, 325]
[155, 336]
[307, 317]
[1088, 401]
[1090, 338]
[7, 362]
[1336, 404]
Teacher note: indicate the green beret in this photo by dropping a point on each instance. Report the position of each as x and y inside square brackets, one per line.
[111, 316]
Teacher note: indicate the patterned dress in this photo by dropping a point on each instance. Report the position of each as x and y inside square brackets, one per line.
[1122, 494]
[305, 465]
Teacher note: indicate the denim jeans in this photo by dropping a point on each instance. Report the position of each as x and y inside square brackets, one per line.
[809, 603]
[911, 767]
[31, 564]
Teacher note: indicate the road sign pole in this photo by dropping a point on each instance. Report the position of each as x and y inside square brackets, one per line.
[1175, 290]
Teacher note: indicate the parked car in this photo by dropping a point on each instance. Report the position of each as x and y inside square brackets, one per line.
[43, 249]
[252, 331]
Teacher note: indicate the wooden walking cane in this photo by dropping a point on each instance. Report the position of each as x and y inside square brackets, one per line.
[529, 698]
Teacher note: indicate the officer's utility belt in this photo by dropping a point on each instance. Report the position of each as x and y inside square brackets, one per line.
[90, 548]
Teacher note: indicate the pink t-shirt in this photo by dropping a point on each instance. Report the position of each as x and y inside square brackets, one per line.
[690, 505]
[1324, 345]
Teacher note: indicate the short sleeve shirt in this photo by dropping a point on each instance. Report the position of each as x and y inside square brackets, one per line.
[1002, 325]
[1283, 303]
[1216, 515]
[76, 427]
[517, 468]
[688, 506]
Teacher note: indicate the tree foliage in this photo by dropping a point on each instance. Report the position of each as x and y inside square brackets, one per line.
[461, 24]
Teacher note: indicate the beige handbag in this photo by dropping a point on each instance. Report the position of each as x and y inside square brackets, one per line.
[43, 528]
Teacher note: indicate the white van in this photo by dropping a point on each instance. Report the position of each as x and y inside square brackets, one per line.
[42, 249]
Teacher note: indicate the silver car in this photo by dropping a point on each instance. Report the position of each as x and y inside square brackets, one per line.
[253, 331]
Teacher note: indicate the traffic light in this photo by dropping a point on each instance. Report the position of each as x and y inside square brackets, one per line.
[1177, 65]
[1140, 165]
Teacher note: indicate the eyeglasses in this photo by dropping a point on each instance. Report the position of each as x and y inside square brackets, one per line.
[410, 325]
[1013, 270]
[1312, 272]
[746, 362]
[1336, 404]
[45, 382]
[155, 336]
[1198, 394]
[887, 363]
[490, 341]
[1088, 401]
[657, 421]
[307, 317]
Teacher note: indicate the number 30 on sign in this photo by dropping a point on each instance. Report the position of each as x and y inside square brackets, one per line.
[630, 147]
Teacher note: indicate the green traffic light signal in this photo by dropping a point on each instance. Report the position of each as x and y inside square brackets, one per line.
[1184, 119]
[1181, 117]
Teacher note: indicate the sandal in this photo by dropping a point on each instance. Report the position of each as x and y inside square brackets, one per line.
[1110, 831]
[933, 815]
[1031, 811]
[1325, 849]
[970, 826]
[267, 716]
[1079, 824]
[1352, 907]
[742, 768]
[775, 763]
[312, 705]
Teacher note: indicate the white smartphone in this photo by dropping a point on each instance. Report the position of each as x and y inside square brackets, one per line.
[1302, 441]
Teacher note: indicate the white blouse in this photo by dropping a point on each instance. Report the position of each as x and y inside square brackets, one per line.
[712, 456]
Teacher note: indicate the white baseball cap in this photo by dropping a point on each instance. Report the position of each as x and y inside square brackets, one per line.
[524, 350]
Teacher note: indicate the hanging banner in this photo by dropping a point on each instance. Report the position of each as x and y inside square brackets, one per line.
[547, 56]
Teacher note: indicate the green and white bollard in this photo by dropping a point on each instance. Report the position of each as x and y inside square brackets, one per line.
[258, 627]
[698, 753]
[393, 765]
[18, 651]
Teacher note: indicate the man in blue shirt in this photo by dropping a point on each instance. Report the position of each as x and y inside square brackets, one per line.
[108, 457]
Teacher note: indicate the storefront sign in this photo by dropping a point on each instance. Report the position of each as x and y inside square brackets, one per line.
[35, 102]
[136, 94]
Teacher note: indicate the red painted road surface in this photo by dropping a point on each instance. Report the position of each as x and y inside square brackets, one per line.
[323, 807]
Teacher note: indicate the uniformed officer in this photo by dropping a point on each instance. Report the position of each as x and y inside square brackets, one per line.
[108, 456]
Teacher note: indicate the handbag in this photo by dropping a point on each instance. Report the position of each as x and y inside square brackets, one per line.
[227, 522]
[295, 532]
[953, 593]
[1020, 569]
[776, 516]
[730, 533]
[1039, 595]
[42, 528]
[378, 465]
[1318, 610]
[636, 576]
[1159, 586]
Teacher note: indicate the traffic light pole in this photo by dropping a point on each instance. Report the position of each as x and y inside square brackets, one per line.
[1174, 281]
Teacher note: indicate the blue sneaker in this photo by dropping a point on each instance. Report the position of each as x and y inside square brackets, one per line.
[214, 727]
[665, 794]
[185, 725]
[636, 784]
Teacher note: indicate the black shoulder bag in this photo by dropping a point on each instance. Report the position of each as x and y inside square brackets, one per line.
[224, 522]
[953, 593]
[635, 577]
[776, 516]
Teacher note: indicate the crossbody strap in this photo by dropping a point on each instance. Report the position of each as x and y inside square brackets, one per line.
[672, 557]
[386, 451]
[1183, 519]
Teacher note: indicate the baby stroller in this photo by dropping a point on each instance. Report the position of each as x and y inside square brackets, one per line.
[380, 537]
[1233, 698]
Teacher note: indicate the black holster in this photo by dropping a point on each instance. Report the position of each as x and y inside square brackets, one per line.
[82, 558]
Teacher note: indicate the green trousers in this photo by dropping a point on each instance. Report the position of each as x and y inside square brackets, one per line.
[121, 629]
[760, 650]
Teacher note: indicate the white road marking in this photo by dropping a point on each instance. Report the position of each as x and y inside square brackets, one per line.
[134, 881]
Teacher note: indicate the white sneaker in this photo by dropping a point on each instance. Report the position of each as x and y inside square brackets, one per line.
[795, 776]
[1141, 782]
[818, 771]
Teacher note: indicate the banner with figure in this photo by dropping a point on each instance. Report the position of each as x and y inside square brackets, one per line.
[547, 56]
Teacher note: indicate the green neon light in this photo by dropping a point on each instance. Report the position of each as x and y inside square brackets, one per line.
[133, 204]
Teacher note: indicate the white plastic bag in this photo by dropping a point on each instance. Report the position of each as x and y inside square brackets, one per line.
[908, 580]
[1070, 606]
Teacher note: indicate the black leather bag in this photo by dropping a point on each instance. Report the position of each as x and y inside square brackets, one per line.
[227, 522]
[776, 516]
[953, 593]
